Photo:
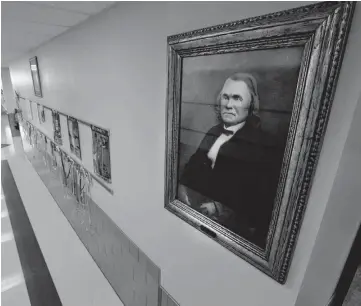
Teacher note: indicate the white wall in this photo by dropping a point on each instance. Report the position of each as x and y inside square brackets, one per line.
[8, 90]
[112, 70]
[340, 222]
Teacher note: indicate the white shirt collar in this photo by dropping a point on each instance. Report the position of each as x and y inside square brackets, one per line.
[235, 128]
[213, 151]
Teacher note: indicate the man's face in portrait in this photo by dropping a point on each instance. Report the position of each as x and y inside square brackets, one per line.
[235, 101]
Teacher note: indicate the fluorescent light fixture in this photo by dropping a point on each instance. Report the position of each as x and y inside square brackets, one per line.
[4, 214]
[11, 282]
[5, 237]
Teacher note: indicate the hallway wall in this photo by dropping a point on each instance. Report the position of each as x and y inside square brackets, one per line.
[340, 223]
[112, 70]
[8, 90]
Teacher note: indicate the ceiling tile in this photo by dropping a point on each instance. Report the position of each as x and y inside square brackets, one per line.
[39, 14]
[15, 34]
[87, 7]
[26, 25]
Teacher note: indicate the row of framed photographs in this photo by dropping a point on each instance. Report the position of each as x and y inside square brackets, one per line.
[100, 138]
[75, 178]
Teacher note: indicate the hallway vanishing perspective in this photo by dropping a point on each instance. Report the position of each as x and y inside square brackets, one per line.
[13, 287]
[169, 153]
[25, 277]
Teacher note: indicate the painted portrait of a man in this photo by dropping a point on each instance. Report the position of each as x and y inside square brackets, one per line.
[231, 148]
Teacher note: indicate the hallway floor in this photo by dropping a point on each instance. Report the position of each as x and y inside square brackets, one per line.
[13, 286]
[353, 297]
[25, 278]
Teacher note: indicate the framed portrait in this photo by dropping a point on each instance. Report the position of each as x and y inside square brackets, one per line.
[101, 153]
[57, 128]
[74, 138]
[34, 68]
[248, 104]
[30, 110]
[41, 113]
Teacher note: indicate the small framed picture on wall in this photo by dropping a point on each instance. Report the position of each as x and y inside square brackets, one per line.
[30, 111]
[57, 128]
[74, 140]
[101, 153]
[41, 113]
[34, 68]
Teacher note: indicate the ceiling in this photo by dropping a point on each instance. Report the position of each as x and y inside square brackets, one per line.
[26, 25]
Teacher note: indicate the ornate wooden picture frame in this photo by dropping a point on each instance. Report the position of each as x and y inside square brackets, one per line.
[270, 82]
[34, 69]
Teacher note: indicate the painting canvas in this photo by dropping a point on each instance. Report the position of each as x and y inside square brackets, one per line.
[235, 114]
[101, 153]
[248, 103]
[34, 69]
[74, 138]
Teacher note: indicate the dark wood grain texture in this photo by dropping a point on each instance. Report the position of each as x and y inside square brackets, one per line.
[322, 30]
